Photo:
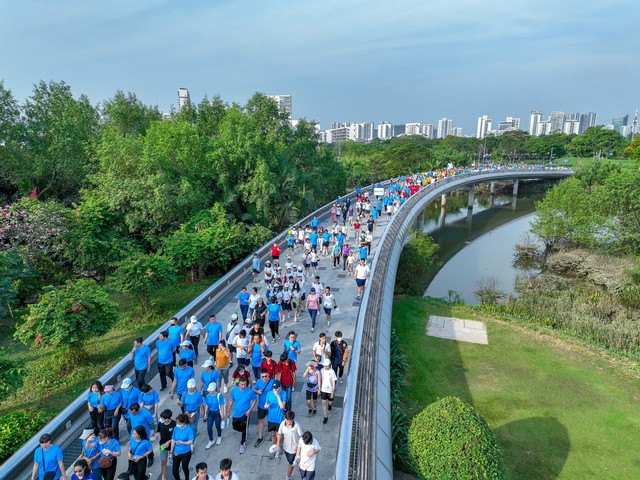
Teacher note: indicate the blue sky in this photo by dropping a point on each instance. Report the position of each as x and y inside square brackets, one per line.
[402, 60]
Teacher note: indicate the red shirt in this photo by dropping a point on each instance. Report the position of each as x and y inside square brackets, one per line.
[270, 367]
[275, 251]
[286, 370]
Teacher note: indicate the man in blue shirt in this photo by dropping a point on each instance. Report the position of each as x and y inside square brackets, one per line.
[292, 346]
[141, 356]
[255, 267]
[141, 416]
[275, 403]
[315, 222]
[212, 335]
[181, 376]
[241, 402]
[261, 388]
[176, 335]
[165, 358]
[48, 458]
[130, 395]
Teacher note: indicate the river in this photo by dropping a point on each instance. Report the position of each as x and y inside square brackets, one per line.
[484, 249]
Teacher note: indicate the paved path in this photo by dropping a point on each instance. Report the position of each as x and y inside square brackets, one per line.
[257, 463]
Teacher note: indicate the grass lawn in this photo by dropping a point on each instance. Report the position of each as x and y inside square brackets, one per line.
[560, 408]
[52, 393]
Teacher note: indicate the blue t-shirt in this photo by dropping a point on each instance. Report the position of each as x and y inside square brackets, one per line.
[242, 401]
[214, 330]
[275, 413]
[110, 401]
[112, 444]
[141, 357]
[208, 377]
[326, 237]
[274, 312]
[175, 331]
[165, 351]
[183, 434]
[313, 238]
[91, 451]
[266, 388]
[340, 237]
[256, 355]
[93, 398]
[188, 354]
[214, 401]
[243, 298]
[129, 397]
[48, 460]
[192, 400]
[363, 253]
[291, 353]
[150, 399]
[138, 449]
[255, 263]
[315, 222]
[144, 418]
[182, 377]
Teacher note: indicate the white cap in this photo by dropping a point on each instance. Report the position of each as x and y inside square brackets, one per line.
[186, 343]
[234, 316]
[194, 319]
[191, 383]
[327, 362]
[126, 383]
[212, 387]
[207, 363]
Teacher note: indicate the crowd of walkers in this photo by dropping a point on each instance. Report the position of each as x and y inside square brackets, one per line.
[246, 368]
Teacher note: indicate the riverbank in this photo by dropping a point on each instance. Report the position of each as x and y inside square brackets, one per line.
[560, 408]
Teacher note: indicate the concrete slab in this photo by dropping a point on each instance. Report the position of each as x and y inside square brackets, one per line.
[459, 329]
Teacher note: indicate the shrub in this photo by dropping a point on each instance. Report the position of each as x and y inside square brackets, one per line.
[400, 421]
[16, 428]
[11, 377]
[417, 257]
[449, 439]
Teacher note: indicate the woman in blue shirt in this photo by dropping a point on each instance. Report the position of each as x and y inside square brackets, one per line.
[151, 400]
[256, 348]
[109, 453]
[181, 442]
[243, 302]
[91, 454]
[139, 450]
[48, 458]
[96, 412]
[187, 352]
[191, 403]
[214, 412]
[81, 471]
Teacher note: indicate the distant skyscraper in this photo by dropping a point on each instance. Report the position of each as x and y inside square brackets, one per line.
[620, 122]
[183, 97]
[534, 120]
[571, 127]
[385, 130]
[457, 131]
[484, 126]
[586, 120]
[284, 104]
[361, 132]
[412, 129]
[556, 120]
[445, 127]
[337, 135]
[428, 130]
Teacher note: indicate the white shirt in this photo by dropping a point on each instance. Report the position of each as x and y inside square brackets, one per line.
[362, 271]
[328, 380]
[233, 476]
[244, 343]
[208, 477]
[318, 287]
[321, 351]
[194, 329]
[291, 436]
[327, 300]
[308, 463]
[253, 300]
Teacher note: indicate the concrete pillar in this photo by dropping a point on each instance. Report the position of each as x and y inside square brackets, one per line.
[515, 187]
[469, 217]
[493, 188]
[443, 199]
[471, 196]
[443, 215]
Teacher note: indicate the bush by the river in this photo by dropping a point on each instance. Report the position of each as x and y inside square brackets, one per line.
[450, 439]
[417, 257]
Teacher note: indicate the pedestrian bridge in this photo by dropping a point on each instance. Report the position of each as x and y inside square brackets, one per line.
[357, 441]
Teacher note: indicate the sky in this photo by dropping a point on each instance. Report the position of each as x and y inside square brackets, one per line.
[400, 61]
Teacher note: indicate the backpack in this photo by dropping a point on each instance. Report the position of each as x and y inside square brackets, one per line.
[336, 352]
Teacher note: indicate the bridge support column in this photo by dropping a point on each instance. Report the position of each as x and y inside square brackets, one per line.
[443, 215]
[493, 188]
[515, 194]
[443, 199]
[471, 196]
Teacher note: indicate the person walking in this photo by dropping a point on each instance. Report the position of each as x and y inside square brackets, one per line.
[130, 395]
[212, 336]
[96, 412]
[109, 453]
[339, 354]
[141, 357]
[241, 402]
[244, 300]
[47, 461]
[214, 412]
[91, 452]
[261, 388]
[361, 274]
[286, 374]
[181, 446]
[81, 471]
[192, 404]
[312, 386]
[111, 401]
[289, 435]
[327, 388]
[141, 417]
[194, 330]
[150, 400]
[307, 454]
[139, 452]
[209, 374]
[313, 303]
[275, 317]
[165, 430]
[223, 363]
[225, 470]
[328, 304]
[165, 347]
[275, 405]
[183, 374]
[321, 349]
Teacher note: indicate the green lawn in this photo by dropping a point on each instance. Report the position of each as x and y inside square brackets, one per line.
[53, 393]
[559, 408]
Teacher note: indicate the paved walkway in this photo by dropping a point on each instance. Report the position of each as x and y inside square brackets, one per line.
[257, 463]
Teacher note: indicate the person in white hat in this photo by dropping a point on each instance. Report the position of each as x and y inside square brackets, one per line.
[192, 404]
[327, 387]
[130, 395]
[194, 330]
[208, 376]
[214, 412]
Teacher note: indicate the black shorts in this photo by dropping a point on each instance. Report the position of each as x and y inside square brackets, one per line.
[326, 396]
[262, 413]
[325, 244]
[290, 457]
[314, 264]
[273, 426]
[360, 282]
[286, 306]
[312, 395]
[327, 311]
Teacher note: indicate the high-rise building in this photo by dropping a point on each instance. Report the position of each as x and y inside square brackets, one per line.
[620, 122]
[361, 132]
[284, 104]
[534, 120]
[556, 120]
[337, 135]
[428, 130]
[543, 128]
[586, 120]
[412, 129]
[457, 131]
[385, 130]
[571, 127]
[445, 127]
[484, 126]
[183, 97]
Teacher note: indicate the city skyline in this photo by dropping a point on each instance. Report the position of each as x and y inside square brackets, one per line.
[407, 61]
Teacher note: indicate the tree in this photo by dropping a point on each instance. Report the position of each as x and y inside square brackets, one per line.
[142, 274]
[17, 281]
[11, 377]
[597, 142]
[417, 257]
[58, 139]
[9, 145]
[128, 115]
[449, 439]
[67, 316]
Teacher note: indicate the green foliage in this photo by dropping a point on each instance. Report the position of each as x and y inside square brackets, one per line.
[449, 439]
[400, 421]
[11, 377]
[68, 315]
[141, 274]
[128, 115]
[17, 427]
[597, 142]
[17, 281]
[417, 257]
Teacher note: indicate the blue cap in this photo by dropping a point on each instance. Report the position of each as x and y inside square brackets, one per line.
[276, 384]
